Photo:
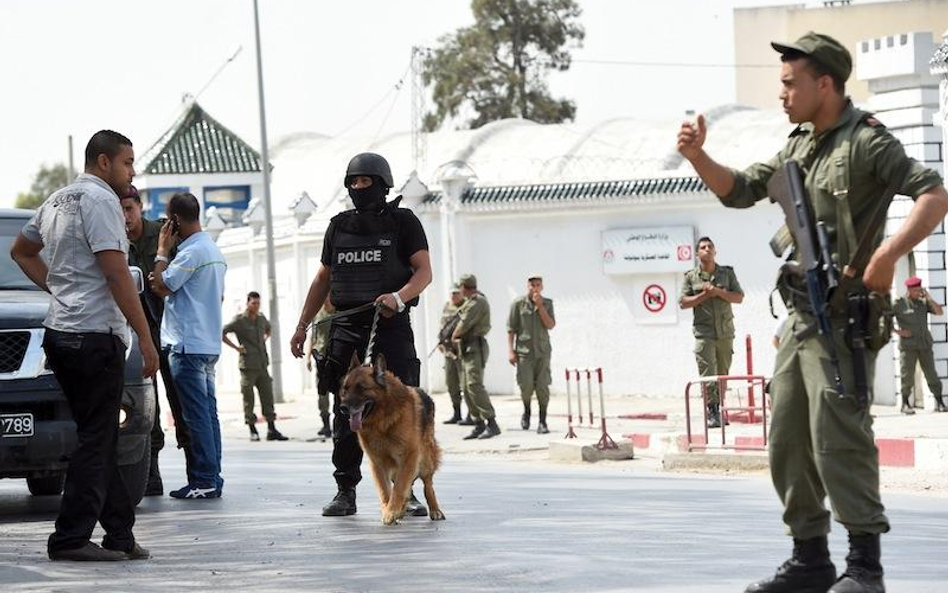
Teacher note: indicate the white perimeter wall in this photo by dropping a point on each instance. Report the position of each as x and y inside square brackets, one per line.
[595, 324]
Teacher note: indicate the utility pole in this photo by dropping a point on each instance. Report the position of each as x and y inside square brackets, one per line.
[276, 344]
[72, 168]
[419, 141]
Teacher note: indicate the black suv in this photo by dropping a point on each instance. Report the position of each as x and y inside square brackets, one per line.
[37, 433]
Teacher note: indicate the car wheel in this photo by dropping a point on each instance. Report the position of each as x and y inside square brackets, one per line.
[135, 475]
[47, 485]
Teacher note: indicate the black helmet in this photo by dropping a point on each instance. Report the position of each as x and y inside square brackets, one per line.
[370, 165]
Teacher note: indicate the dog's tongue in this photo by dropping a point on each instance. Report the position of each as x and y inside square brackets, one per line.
[355, 421]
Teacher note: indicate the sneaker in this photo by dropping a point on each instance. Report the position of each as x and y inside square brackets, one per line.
[908, 410]
[254, 435]
[88, 553]
[542, 429]
[190, 491]
[136, 553]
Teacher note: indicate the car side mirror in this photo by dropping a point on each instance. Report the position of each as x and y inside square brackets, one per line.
[138, 277]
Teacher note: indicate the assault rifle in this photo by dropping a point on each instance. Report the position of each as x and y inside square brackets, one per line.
[444, 337]
[813, 261]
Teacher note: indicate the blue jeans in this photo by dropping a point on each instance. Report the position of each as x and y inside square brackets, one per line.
[193, 376]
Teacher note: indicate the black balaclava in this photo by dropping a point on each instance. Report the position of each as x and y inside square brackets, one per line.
[369, 199]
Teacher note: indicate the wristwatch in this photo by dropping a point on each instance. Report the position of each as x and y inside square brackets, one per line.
[163, 258]
[398, 299]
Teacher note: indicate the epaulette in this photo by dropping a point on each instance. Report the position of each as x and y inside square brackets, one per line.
[798, 131]
[870, 120]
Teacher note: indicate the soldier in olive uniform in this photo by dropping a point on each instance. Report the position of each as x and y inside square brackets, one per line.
[915, 342]
[469, 335]
[452, 364]
[711, 289]
[253, 330]
[821, 440]
[528, 341]
[316, 345]
[142, 249]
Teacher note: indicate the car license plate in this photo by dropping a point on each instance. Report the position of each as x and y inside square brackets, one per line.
[16, 425]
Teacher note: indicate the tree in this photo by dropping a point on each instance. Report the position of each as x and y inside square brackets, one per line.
[45, 182]
[497, 67]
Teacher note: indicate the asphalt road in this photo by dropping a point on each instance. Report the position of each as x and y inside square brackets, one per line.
[513, 525]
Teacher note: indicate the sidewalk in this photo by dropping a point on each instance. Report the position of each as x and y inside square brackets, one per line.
[656, 426]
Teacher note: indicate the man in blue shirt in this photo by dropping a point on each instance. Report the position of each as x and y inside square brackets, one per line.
[191, 328]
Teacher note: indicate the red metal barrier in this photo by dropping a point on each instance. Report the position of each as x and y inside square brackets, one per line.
[570, 434]
[722, 381]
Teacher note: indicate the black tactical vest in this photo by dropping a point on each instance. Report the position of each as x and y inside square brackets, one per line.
[365, 262]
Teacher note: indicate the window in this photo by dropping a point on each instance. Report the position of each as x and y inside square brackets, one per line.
[231, 201]
[155, 200]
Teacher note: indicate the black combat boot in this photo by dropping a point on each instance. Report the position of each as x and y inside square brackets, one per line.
[525, 418]
[907, 408]
[415, 508]
[456, 417]
[273, 434]
[541, 426]
[940, 404]
[714, 416]
[863, 568]
[468, 421]
[809, 570]
[343, 504]
[154, 487]
[479, 427]
[326, 430]
[492, 430]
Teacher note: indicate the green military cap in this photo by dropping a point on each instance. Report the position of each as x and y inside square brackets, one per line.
[822, 48]
[468, 281]
[535, 276]
[456, 287]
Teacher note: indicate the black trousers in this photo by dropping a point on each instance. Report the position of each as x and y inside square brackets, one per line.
[397, 343]
[182, 435]
[90, 368]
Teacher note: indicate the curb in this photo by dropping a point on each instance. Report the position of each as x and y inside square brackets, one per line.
[917, 452]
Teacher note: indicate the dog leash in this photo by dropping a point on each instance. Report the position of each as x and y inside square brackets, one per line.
[373, 330]
[366, 360]
[338, 314]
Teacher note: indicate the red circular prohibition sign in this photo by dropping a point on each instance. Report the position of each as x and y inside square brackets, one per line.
[654, 298]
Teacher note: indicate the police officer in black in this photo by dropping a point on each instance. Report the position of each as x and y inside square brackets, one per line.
[377, 252]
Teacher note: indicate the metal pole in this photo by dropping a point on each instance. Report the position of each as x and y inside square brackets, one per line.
[570, 434]
[276, 342]
[579, 399]
[589, 394]
[72, 167]
[750, 384]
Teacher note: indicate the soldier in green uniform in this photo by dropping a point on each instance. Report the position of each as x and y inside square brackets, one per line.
[469, 336]
[452, 364]
[316, 346]
[253, 330]
[821, 440]
[915, 342]
[528, 342]
[142, 249]
[710, 290]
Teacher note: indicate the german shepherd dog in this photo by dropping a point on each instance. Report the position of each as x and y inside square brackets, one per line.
[395, 424]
